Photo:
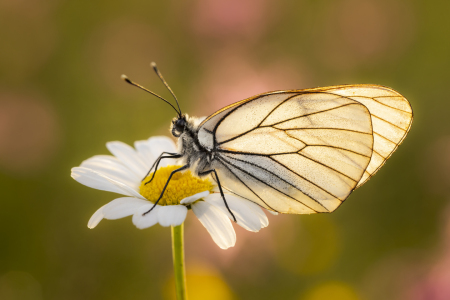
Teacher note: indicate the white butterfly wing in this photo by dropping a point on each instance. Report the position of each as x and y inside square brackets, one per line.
[295, 151]
[392, 117]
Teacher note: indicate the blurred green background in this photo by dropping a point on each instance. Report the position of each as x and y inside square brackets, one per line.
[61, 100]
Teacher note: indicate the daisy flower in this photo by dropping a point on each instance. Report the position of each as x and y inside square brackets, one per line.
[125, 173]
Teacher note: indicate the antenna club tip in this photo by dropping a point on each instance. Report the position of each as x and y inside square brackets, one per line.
[124, 77]
[153, 65]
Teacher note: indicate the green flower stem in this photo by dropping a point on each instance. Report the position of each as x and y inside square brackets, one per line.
[178, 261]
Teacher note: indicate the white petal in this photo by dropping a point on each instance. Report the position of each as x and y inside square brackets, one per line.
[144, 221]
[193, 198]
[216, 222]
[112, 168]
[249, 216]
[129, 157]
[258, 211]
[160, 144]
[145, 152]
[122, 207]
[94, 180]
[273, 212]
[172, 215]
[96, 218]
[98, 181]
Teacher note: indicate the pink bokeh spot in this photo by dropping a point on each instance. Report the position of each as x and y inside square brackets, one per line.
[229, 17]
[232, 77]
[435, 283]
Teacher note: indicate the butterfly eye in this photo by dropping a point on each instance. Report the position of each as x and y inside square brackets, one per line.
[180, 123]
[178, 126]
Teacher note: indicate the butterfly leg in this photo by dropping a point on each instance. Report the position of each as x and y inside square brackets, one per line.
[165, 186]
[220, 189]
[157, 161]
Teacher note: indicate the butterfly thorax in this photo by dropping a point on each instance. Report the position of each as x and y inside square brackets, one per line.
[193, 153]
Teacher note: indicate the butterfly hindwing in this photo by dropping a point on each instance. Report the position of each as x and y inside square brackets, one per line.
[391, 120]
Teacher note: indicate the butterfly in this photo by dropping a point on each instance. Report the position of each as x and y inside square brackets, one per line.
[294, 151]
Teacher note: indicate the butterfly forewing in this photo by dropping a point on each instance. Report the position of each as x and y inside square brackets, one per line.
[296, 151]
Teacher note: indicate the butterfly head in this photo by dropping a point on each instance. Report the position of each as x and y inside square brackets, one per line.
[178, 125]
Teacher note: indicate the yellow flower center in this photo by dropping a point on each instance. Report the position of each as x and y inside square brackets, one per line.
[182, 185]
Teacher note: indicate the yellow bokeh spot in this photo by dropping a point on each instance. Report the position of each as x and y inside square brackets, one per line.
[181, 185]
[203, 283]
[332, 290]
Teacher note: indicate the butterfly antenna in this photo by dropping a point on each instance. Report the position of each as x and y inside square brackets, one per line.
[124, 77]
[155, 68]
